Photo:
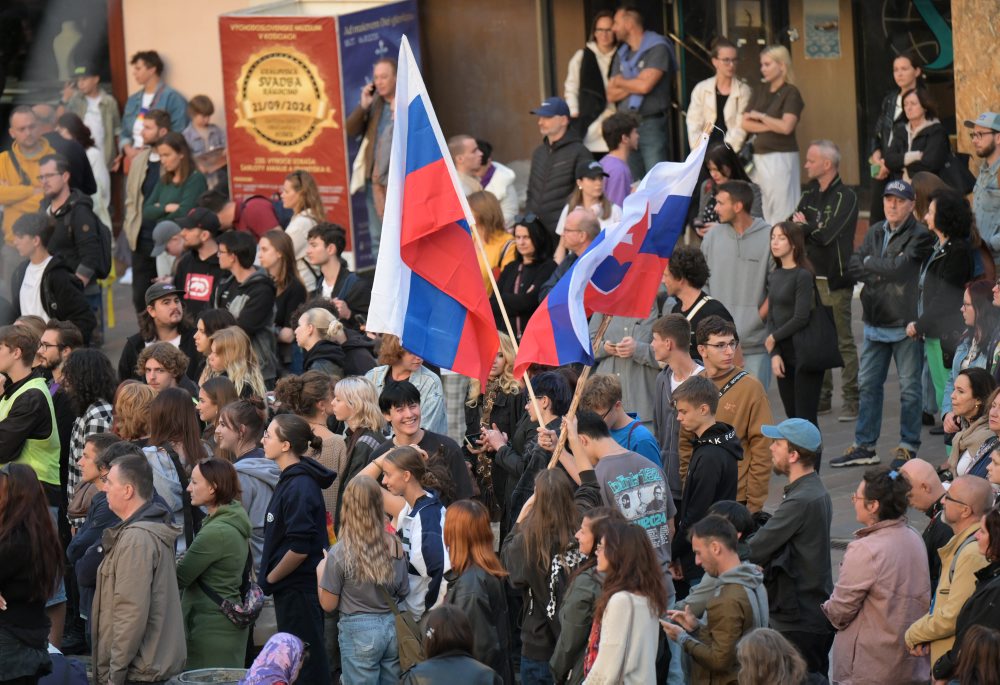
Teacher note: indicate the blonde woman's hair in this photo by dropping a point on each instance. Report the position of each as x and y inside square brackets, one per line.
[489, 215]
[780, 54]
[359, 394]
[766, 656]
[232, 346]
[508, 384]
[131, 411]
[365, 544]
[576, 200]
[328, 326]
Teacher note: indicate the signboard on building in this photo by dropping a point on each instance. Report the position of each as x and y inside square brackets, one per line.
[282, 88]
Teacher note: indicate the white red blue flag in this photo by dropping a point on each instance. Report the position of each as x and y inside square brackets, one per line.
[619, 273]
[428, 289]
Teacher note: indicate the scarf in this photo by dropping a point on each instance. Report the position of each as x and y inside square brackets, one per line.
[629, 65]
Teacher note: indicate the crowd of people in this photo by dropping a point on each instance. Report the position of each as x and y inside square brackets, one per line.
[262, 483]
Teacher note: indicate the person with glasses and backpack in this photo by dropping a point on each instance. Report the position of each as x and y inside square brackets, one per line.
[214, 568]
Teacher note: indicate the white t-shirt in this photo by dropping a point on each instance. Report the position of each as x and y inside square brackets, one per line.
[92, 118]
[147, 100]
[327, 291]
[31, 290]
[674, 383]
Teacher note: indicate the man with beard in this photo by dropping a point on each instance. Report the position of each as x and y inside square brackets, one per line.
[986, 194]
[793, 547]
[163, 321]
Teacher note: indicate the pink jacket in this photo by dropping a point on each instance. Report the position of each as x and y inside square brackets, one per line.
[884, 586]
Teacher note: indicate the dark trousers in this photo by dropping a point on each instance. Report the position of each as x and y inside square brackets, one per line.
[298, 612]
[815, 649]
[143, 273]
[799, 390]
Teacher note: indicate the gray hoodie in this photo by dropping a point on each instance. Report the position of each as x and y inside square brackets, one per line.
[739, 265]
[258, 476]
[747, 575]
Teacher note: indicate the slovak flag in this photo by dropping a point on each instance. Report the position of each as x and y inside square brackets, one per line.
[619, 273]
[428, 289]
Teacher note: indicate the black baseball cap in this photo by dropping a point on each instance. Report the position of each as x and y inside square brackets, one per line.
[161, 290]
[203, 219]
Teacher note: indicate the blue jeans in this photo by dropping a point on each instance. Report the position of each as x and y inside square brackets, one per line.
[760, 366]
[374, 222]
[652, 146]
[875, 358]
[535, 672]
[368, 650]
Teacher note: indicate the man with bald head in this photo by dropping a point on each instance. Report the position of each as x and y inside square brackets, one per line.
[468, 158]
[963, 506]
[927, 495]
[579, 231]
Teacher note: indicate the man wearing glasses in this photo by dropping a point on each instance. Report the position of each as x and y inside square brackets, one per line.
[742, 404]
[968, 499]
[986, 195]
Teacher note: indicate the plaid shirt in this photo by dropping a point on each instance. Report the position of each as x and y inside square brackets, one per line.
[97, 419]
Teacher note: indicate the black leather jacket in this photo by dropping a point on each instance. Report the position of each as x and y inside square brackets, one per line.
[889, 297]
[885, 122]
[483, 599]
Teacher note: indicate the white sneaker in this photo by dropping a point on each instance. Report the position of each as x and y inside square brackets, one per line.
[126, 278]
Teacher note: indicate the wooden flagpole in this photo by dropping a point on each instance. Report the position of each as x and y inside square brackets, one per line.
[503, 311]
[580, 383]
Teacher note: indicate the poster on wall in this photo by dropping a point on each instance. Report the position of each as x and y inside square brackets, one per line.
[365, 38]
[284, 114]
[822, 19]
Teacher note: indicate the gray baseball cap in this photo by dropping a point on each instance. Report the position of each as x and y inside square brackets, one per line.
[162, 233]
[990, 120]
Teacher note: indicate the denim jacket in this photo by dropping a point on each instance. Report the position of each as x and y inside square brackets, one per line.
[986, 206]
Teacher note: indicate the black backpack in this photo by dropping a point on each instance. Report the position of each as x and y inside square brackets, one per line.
[103, 267]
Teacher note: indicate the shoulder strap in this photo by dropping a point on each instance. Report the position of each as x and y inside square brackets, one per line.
[388, 599]
[954, 560]
[17, 167]
[697, 308]
[185, 496]
[628, 439]
[503, 252]
[733, 381]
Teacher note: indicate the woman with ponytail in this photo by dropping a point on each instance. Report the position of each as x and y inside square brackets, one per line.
[295, 537]
[308, 396]
[363, 569]
[320, 335]
[237, 434]
[415, 486]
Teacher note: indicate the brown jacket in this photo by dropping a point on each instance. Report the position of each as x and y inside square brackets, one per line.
[137, 624]
[938, 628]
[365, 121]
[738, 607]
[745, 408]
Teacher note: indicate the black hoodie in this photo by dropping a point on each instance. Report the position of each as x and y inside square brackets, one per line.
[712, 477]
[252, 303]
[76, 238]
[61, 293]
[326, 356]
[296, 522]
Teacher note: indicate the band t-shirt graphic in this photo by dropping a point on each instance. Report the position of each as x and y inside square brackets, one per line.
[638, 488]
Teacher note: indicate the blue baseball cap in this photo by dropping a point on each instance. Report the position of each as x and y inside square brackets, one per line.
[552, 107]
[899, 189]
[799, 432]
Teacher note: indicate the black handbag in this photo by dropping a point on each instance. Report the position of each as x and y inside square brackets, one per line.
[816, 345]
[956, 174]
[746, 154]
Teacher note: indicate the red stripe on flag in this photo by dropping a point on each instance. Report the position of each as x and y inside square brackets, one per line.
[538, 344]
[429, 201]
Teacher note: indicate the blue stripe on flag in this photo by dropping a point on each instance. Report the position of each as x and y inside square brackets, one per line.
[666, 226]
[434, 322]
[421, 143]
[568, 346]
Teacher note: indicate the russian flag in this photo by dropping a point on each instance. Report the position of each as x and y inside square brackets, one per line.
[619, 273]
[428, 289]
